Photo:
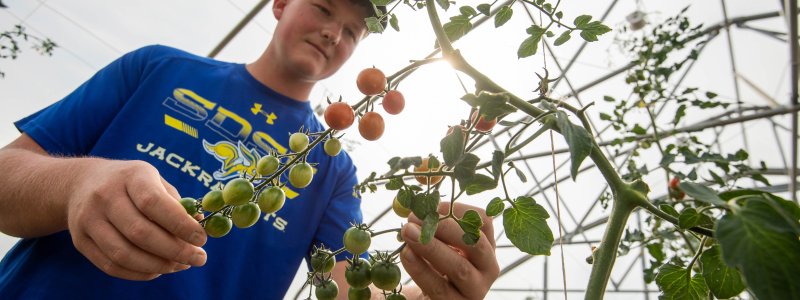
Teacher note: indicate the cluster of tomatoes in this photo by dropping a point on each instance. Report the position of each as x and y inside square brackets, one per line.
[380, 270]
[240, 204]
[371, 82]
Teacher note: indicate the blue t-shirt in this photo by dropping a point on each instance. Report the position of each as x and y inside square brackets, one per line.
[200, 122]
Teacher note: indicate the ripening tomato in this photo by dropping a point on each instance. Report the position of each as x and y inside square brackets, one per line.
[300, 175]
[238, 191]
[332, 146]
[271, 199]
[371, 81]
[423, 167]
[393, 102]
[267, 165]
[460, 128]
[298, 141]
[339, 116]
[483, 125]
[356, 240]
[673, 184]
[371, 126]
[399, 209]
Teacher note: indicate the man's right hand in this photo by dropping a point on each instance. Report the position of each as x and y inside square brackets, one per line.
[128, 222]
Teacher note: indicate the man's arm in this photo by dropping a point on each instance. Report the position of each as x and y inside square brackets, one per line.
[121, 214]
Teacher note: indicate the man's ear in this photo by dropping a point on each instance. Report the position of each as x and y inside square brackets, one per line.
[278, 6]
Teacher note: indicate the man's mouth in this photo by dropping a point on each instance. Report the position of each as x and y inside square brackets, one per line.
[319, 49]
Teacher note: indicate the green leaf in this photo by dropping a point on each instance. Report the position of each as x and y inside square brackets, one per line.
[520, 175]
[756, 239]
[480, 183]
[405, 197]
[465, 169]
[559, 15]
[669, 210]
[702, 193]
[394, 22]
[526, 226]
[502, 16]
[679, 114]
[711, 95]
[582, 20]
[579, 141]
[425, 204]
[590, 31]
[373, 25]
[484, 8]
[497, 163]
[471, 224]
[394, 184]
[531, 44]
[656, 250]
[675, 283]
[456, 28]
[690, 218]
[467, 10]
[639, 130]
[723, 281]
[452, 147]
[444, 4]
[494, 105]
[495, 207]
[380, 2]
[563, 38]
[429, 224]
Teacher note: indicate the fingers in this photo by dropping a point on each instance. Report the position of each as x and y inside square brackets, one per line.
[88, 248]
[481, 254]
[429, 281]
[459, 271]
[163, 209]
[150, 237]
[124, 254]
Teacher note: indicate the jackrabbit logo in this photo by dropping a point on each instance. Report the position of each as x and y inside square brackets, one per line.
[234, 158]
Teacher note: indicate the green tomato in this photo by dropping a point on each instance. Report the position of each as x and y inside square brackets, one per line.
[267, 165]
[271, 199]
[218, 225]
[322, 261]
[396, 297]
[399, 209]
[358, 294]
[326, 290]
[333, 146]
[385, 275]
[245, 215]
[300, 175]
[213, 201]
[356, 240]
[190, 205]
[238, 191]
[358, 276]
[298, 141]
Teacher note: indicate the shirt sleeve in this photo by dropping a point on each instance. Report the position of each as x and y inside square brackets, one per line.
[343, 210]
[72, 125]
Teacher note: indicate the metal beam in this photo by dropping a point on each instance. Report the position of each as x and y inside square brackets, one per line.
[247, 18]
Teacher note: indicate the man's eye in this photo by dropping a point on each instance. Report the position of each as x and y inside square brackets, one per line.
[324, 10]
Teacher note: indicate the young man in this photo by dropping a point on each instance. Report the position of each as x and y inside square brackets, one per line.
[92, 190]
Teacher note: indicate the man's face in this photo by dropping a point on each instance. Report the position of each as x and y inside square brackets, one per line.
[314, 38]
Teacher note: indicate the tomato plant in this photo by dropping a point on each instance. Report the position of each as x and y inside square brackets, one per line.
[357, 273]
[245, 215]
[267, 165]
[371, 81]
[399, 209]
[298, 141]
[190, 205]
[332, 146]
[359, 294]
[213, 201]
[339, 116]
[357, 239]
[393, 102]
[238, 191]
[322, 260]
[218, 225]
[482, 124]
[326, 289]
[385, 275]
[371, 126]
[426, 166]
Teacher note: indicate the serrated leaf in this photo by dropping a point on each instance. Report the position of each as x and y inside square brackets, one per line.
[471, 224]
[723, 281]
[465, 169]
[452, 147]
[495, 207]
[756, 239]
[429, 224]
[480, 183]
[394, 22]
[394, 184]
[444, 4]
[373, 25]
[702, 193]
[502, 16]
[579, 141]
[675, 283]
[467, 10]
[582, 20]
[485, 8]
[563, 38]
[425, 204]
[689, 218]
[526, 226]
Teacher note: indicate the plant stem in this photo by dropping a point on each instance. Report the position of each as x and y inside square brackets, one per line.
[376, 233]
[669, 218]
[607, 251]
[696, 255]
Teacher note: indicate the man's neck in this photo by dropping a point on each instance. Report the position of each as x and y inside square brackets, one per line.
[271, 75]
